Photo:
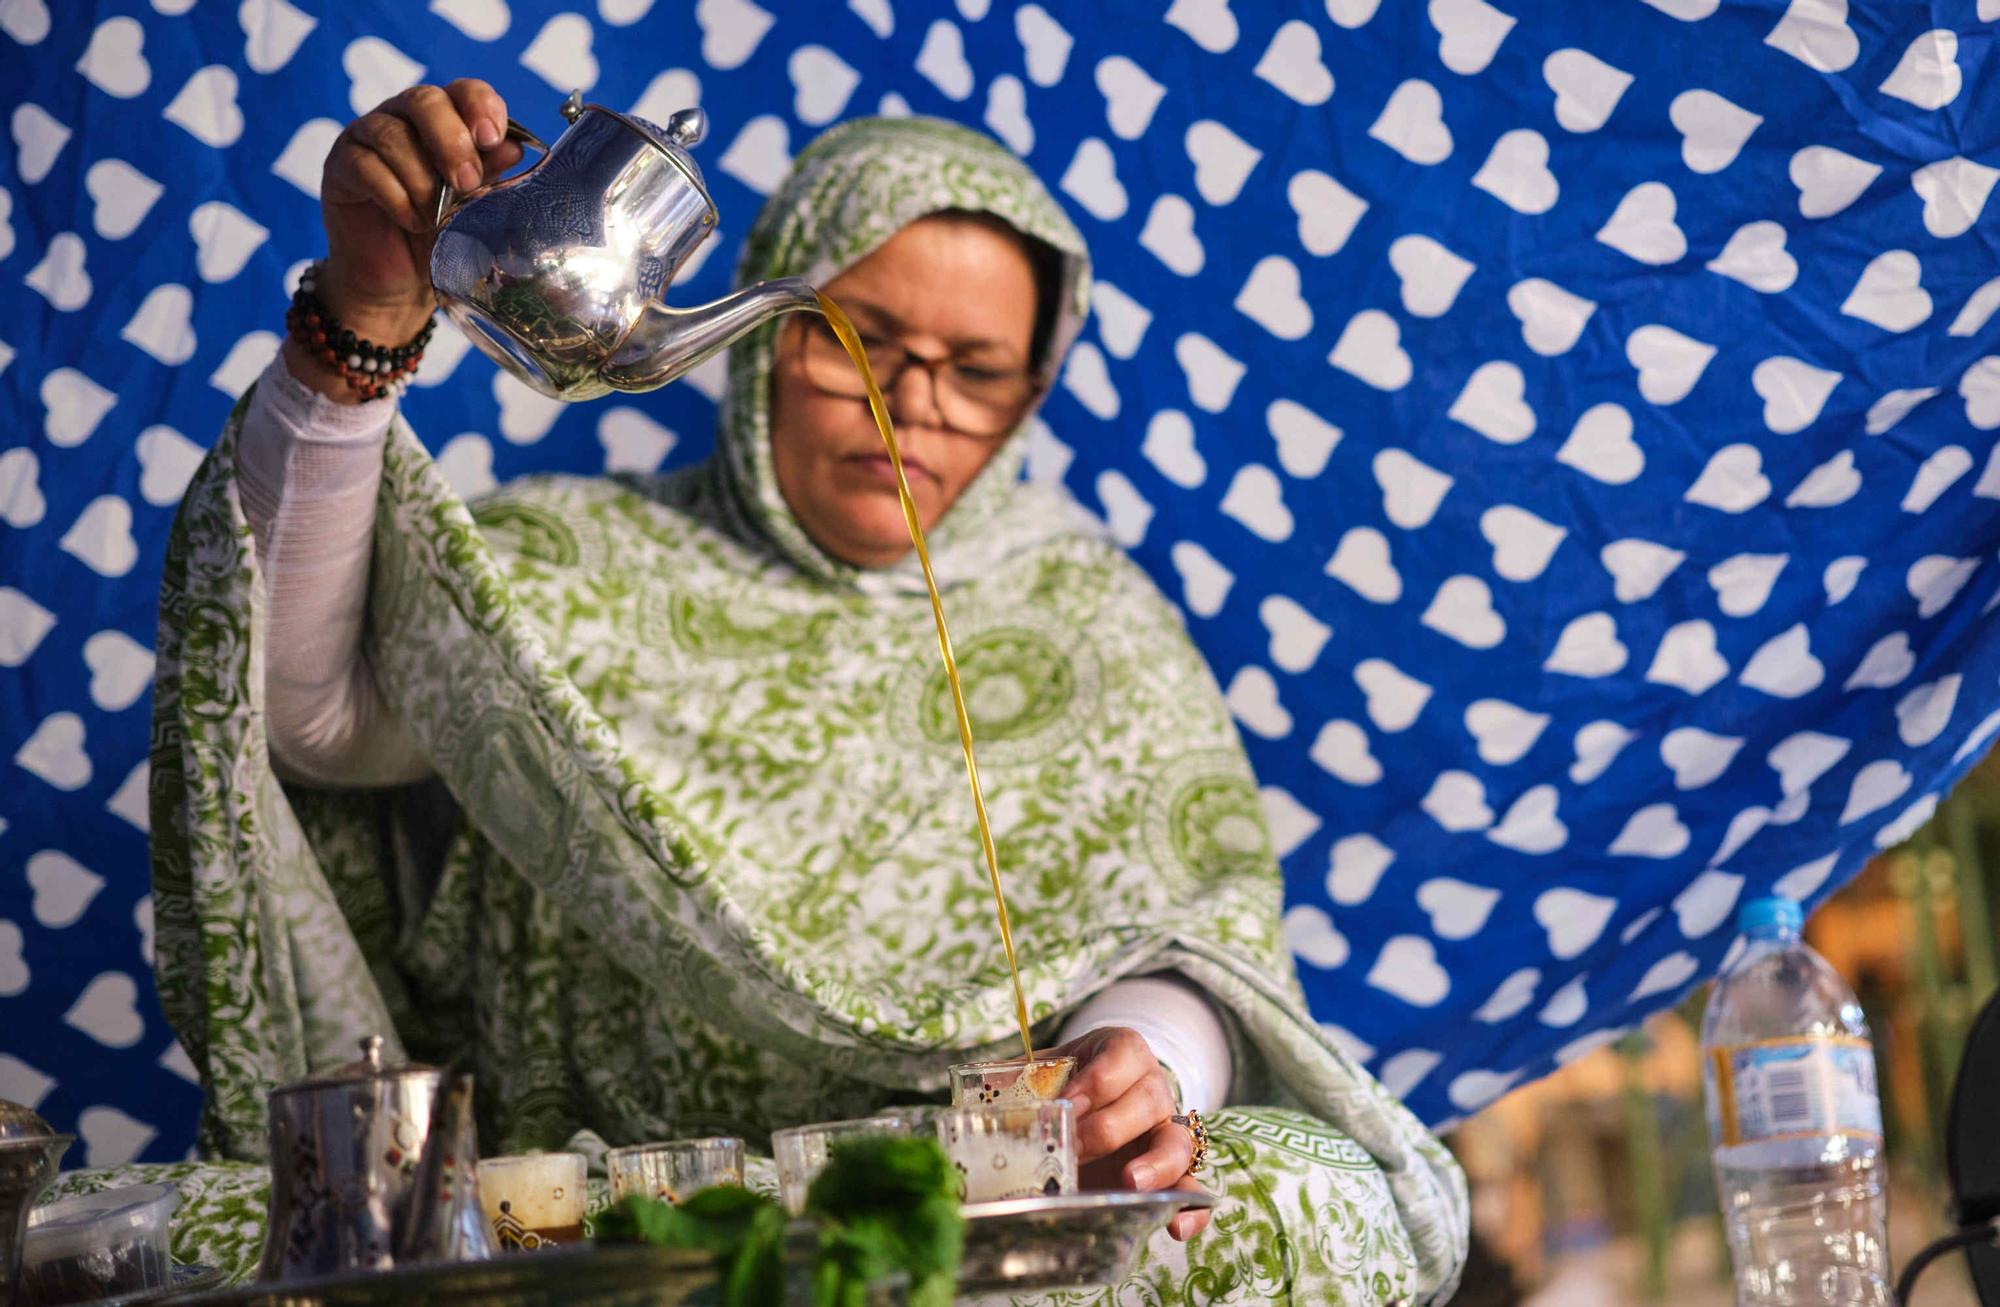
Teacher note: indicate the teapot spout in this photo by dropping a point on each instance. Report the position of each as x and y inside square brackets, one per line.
[668, 341]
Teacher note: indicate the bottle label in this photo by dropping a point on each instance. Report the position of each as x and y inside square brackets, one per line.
[1794, 1088]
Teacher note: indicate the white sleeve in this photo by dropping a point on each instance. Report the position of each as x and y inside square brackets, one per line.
[1180, 1024]
[307, 474]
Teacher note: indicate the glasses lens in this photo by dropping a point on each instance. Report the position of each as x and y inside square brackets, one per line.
[982, 402]
[827, 366]
[978, 401]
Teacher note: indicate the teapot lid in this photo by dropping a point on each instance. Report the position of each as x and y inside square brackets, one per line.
[683, 131]
[367, 1067]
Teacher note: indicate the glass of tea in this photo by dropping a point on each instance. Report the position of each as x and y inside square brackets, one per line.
[534, 1201]
[801, 1151]
[674, 1169]
[1013, 1080]
[1011, 1150]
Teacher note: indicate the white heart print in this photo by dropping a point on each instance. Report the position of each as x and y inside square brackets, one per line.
[1587, 88]
[1297, 637]
[1815, 32]
[1954, 192]
[1412, 123]
[1127, 512]
[1270, 298]
[1170, 447]
[1327, 211]
[1642, 227]
[1169, 235]
[1305, 440]
[1292, 64]
[1928, 74]
[1092, 181]
[1531, 824]
[206, 108]
[1890, 293]
[1411, 488]
[1341, 749]
[1394, 697]
[1222, 160]
[1755, 255]
[1131, 96]
[1552, 319]
[1713, 129]
[1493, 403]
[1205, 583]
[1516, 172]
[1431, 275]
[115, 60]
[1469, 33]
[1600, 446]
[123, 197]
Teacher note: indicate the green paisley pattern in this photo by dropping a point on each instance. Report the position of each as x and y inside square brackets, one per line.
[702, 859]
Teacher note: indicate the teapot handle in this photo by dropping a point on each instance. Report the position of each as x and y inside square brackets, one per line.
[448, 199]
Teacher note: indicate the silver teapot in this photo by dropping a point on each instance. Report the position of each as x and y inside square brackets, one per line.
[559, 273]
[372, 1166]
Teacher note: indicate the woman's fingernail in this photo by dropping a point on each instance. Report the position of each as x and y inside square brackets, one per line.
[1142, 1176]
[1079, 1103]
[1183, 1226]
[488, 134]
[466, 178]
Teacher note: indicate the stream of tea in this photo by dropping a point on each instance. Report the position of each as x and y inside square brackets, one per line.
[845, 331]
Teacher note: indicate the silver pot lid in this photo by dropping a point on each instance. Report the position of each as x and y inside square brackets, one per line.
[365, 1069]
[18, 1122]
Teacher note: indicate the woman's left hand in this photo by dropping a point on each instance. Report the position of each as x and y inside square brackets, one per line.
[1125, 1137]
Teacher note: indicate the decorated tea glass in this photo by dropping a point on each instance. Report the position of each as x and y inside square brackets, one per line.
[533, 1201]
[1012, 1150]
[801, 1151]
[1013, 1080]
[674, 1169]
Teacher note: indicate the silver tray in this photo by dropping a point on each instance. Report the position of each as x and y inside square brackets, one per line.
[1076, 1241]
[187, 1277]
[623, 1276]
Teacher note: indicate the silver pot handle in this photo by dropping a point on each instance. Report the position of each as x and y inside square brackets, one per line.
[448, 199]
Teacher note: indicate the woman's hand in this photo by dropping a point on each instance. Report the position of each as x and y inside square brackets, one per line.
[1124, 1137]
[380, 188]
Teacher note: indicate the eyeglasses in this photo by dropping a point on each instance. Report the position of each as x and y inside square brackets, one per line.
[973, 398]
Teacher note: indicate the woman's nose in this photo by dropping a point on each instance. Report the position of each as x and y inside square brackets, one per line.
[913, 398]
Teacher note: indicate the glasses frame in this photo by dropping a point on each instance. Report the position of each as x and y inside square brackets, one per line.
[886, 378]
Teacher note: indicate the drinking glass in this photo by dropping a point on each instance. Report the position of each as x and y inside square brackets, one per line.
[533, 1200]
[674, 1169]
[1014, 1150]
[801, 1151]
[1012, 1080]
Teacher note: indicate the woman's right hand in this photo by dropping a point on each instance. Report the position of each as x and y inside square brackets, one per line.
[379, 190]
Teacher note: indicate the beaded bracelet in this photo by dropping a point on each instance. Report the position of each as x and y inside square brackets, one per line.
[373, 371]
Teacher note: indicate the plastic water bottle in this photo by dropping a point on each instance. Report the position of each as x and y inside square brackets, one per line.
[1795, 1123]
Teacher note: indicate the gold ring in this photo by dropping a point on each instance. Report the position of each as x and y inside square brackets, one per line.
[1199, 1134]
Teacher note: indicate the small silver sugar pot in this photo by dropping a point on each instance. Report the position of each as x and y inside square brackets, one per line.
[345, 1148]
[29, 1151]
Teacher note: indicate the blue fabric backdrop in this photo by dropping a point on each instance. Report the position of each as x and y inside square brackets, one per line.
[1569, 429]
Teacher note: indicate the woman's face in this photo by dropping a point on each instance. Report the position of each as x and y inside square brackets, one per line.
[942, 286]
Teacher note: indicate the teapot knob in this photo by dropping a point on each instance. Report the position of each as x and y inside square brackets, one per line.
[687, 127]
[572, 108]
[371, 1052]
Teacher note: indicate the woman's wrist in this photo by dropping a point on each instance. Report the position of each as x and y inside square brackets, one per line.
[398, 326]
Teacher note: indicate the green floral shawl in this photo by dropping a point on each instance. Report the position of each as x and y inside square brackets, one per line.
[713, 865]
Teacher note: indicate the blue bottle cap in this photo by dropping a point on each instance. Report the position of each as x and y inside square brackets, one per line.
[1763, 916]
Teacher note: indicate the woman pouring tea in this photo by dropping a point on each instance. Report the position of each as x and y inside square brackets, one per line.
[644, 796]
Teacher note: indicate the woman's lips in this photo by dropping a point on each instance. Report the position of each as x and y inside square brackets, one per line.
[878, 466]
